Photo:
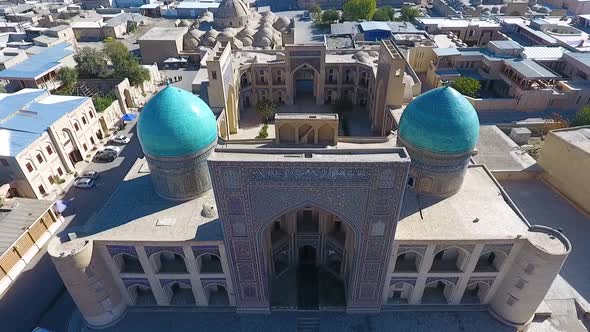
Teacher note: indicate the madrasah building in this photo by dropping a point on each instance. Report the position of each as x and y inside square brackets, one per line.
[310, 220]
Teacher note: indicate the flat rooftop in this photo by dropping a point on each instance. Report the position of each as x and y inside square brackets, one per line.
[17, 214]
[479, 211]
[577, 136]
[134, 212]
[164, 33]
[499, 153]
[433, 218]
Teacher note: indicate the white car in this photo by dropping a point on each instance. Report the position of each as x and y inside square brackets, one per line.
[90, 174]
[111, 148]
[121, 139]
[85, 183]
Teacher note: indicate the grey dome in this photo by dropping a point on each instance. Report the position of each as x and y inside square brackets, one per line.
[231, 9]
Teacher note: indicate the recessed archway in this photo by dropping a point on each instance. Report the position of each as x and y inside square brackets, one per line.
[141, 295]
[168, 262]
[475, 293]
[127, 263]
[309, 252]
[179, 294]
[438, 292]
[304, 83]
[209, 263]
[400, 293]
[216, 295]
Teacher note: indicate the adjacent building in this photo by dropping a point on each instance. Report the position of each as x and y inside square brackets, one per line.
[565, 158]
[39, 71]
[43, 137]
[26, 226]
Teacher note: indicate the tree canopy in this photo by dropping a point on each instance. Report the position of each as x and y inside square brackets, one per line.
[384, 14]
[91, 63]
[359, 9]
[125, 64]
[582, 118]
[266, 109]
[467, 86]
[330, 16]
[409, 13]
[68, 77]
[315, 11]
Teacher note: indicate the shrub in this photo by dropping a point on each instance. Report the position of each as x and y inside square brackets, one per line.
[263, 132]
[102, 103]
[582, 118]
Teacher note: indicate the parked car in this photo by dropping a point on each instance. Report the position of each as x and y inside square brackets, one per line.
[90, 174]
[85, 183]
[120, 139]
[111, 148]
[306, 15]
[105, 156]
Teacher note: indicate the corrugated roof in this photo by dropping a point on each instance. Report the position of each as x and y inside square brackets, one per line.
[446, 51]
[543, 52]
[27, 114]
[38, 64]
[506, 44]
[375, 25]
[17, 214]
[530, 69]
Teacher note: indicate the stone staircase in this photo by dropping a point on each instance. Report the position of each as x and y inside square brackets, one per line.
[308, 324]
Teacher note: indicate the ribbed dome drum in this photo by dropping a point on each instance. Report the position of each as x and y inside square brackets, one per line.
[439, 129]
[177, 131]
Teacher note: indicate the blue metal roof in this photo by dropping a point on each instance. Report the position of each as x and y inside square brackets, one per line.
[26, 115]
[38, 64]
[375, 25]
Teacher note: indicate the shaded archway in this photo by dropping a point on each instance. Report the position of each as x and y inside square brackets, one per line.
[309, 252]
[179, 294]
[438, 292]
[475, 293]
[128, 99]
[216, 295]
[209, 263]
[127, 263]
[491, 261]
[231, 110]
[304, 83]
[141, 295]
[408, 261]
[168, 262]
[449, 259]
[71, 146]
[400, 293]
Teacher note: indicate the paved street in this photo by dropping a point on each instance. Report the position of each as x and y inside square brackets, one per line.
[39, 288]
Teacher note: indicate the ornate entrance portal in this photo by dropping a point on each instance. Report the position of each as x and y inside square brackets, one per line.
[307, 256]
[302, 218]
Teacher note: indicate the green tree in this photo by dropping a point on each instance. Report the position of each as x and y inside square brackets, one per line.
[266, 109]
[91, 63]
[384, 14]
[359, 9]
[409, 13]
[315, 11]
[330, 16]
[125, 64]
[582, 118]
[467, 86]
[68, 77]
[101, 103]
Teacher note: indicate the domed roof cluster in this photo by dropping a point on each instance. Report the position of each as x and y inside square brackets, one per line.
[176, 123]
[263, 30]
[440, 121]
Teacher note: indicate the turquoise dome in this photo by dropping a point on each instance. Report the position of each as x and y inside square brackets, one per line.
[176, 123]
[440, 121]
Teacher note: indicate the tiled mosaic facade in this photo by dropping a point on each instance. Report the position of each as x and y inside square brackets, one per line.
[257, 193]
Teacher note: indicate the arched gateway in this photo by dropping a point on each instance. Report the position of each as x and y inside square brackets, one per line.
[329, 219]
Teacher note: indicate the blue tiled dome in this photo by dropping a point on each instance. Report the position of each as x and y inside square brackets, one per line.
[441, 121]
[176, 123]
